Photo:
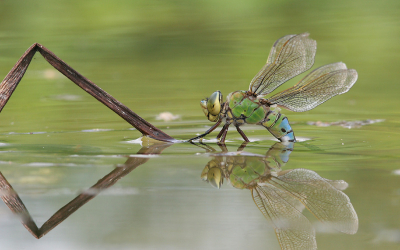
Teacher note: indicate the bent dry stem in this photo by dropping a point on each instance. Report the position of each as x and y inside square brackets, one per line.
[12, 79]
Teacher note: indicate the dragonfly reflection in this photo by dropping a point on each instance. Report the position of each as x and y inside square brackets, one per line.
[281, 196]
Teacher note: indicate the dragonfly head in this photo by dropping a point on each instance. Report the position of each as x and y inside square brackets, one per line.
[212, 106]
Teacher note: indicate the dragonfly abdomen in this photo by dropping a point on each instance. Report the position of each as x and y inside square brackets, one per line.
[278, 125]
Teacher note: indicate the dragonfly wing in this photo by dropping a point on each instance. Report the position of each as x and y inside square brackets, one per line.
[290, 56]
[338, 184]
[326, 202]
[316, 88]
[292, 228]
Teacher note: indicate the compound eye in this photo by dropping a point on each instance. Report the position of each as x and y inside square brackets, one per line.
[214, 103]
[215, 177]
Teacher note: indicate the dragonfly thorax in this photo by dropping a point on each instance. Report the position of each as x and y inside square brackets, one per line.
[241, 108]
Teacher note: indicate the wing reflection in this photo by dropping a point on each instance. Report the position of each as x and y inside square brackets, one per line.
[13, 201]
[281, 196]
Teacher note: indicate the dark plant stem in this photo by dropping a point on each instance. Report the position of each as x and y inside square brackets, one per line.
[12, 79]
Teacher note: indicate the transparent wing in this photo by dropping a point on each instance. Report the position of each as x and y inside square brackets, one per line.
[316, 88]
[290, 56]
[338, 184]
[292, 228]
[326, 202]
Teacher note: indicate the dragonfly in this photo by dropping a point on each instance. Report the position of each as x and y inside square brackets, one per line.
[290, 56]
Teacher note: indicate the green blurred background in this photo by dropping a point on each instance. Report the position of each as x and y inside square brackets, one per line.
[157, 56]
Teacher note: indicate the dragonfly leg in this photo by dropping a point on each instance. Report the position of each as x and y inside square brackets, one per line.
[242, 134]
[203, 146]
[222, 130]
[207, 132]
[223, 133]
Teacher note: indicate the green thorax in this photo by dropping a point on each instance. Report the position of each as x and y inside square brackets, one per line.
[245, 107]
